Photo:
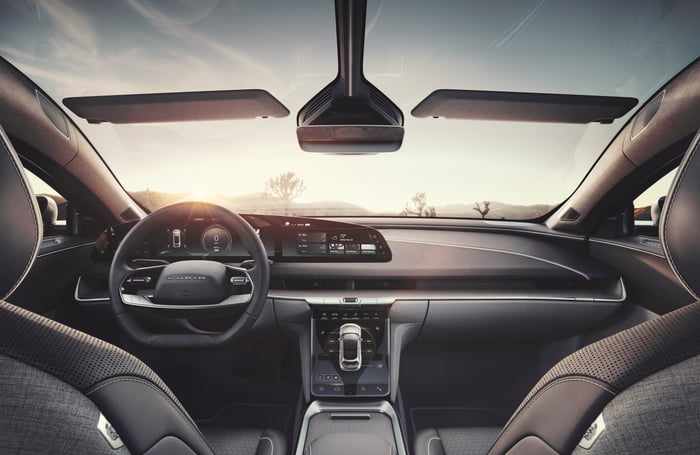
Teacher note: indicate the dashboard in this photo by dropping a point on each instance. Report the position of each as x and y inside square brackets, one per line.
[467, 282]
[286, 239]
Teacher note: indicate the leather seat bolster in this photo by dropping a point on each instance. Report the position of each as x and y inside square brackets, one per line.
[144, 415]
[680, 218]
[531, 445]
[558, 414]
[170, 445]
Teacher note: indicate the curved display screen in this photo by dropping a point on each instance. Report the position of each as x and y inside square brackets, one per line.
[286, 239]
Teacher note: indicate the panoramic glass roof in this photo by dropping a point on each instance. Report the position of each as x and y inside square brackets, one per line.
[621, 48]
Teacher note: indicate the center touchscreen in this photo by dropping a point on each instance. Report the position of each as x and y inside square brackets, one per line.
[335, 243]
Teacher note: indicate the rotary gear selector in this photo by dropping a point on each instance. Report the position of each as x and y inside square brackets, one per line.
[350, 352]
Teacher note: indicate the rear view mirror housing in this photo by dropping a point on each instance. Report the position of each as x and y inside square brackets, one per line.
[350, 115]
[350, 139]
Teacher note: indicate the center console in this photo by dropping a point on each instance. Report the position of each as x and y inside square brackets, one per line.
[350, 428]
[350, 350]
[350, 340]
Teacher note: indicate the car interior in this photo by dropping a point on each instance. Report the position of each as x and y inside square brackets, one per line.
[350, 227]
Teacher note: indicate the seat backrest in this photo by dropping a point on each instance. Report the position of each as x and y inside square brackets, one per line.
[636, 391]
[21, 224]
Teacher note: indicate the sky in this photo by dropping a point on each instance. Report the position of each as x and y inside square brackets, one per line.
[622, 48]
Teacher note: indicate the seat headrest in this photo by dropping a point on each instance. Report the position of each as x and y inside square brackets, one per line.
[656, 209]
[21, 225]
[680, 221]
[48, 210]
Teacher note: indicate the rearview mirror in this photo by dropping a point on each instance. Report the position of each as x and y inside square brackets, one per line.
[350, 115]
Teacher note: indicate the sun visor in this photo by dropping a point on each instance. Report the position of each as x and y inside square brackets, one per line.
[523, 107]
[177, 107]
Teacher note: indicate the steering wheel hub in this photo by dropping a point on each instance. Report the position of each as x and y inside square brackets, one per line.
[192, 283]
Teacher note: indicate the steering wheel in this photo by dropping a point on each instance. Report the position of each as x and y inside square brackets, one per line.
[142, 292]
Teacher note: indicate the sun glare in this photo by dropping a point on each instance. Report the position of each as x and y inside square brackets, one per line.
[200, 196]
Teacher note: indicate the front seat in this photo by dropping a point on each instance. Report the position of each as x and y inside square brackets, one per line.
[635, 392]
[65, 392]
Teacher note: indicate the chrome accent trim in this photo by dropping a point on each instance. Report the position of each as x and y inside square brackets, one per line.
[231, 301]
[493, 250]
[109, 433]
[68, 248]
[381, 407]
[339, 300]
[145, 302]
[350, 415]
[433, 296]
[76, 295]
[312, 325]
[593, 433]
[628, 247]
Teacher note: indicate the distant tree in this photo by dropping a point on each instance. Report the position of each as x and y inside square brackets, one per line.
[418, 206]
[286, 186]
[483, 211]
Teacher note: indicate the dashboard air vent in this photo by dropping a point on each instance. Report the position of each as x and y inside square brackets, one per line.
[373, 285]
[570, 215]
[326, 285]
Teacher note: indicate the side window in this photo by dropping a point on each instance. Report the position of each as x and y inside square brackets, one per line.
[52, 205]
[648, 205]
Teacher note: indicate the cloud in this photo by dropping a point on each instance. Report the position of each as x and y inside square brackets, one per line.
[173, 28]
[76, 33]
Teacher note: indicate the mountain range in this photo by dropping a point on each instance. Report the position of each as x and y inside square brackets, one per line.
[263, 203]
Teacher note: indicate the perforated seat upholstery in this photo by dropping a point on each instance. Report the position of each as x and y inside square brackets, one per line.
[642, 381]
[450, 441]
[57, 382]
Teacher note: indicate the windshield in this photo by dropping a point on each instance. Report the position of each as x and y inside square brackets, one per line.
[445, 168]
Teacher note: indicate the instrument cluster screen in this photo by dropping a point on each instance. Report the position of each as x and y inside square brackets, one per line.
[197, 238]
